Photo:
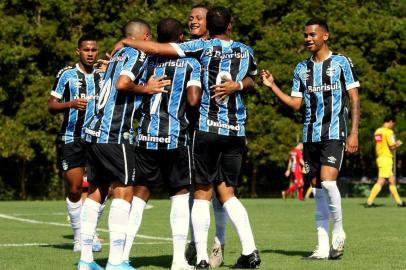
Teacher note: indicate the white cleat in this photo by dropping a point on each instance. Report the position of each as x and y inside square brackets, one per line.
[182, 266]
[337, 246]
[318, 254]
[216, 256]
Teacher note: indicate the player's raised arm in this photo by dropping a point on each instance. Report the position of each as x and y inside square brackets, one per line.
[149, 47]
[352, 139]
[153, 86]
[267, 79]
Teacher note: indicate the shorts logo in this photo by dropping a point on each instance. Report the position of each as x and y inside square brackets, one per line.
[306, 168]
[65, 165]
[133, 175]
[331, 159]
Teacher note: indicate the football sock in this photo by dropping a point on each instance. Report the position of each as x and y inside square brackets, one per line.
[334, 204]
[221, 218]
[134, 223]
[322, 218]
[201, 224]
[300, 193]
[88, 221]
[239, 217]
[374, 192]
[118, 225]
[291, 189]
[74, 209]
[308, 192]
[179, 219]
[192, 234]
[395, 193]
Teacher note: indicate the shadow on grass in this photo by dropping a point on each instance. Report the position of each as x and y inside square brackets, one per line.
[164, 261]
[287, 252]
[68, 236]
[372, 206]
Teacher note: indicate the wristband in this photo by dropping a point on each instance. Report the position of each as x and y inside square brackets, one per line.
[241, 85]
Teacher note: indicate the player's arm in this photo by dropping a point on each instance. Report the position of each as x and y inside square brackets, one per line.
[229, 87]
[149, 47]
[294, 102]
[392, 142]
[153, 86]
[194, 95]
[352, 140]
[287, 173]
[55, 106]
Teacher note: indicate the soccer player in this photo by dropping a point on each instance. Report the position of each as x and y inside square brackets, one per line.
[162, 142]
[385, 145]
[198, 30]
[294, 171]
[74, 94]
[324, 81]
[220, 132]
[110, 146]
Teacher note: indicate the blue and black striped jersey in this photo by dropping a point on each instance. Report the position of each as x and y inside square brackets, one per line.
[113, 122]
[323, 86]
[163, 123]
[72, 83]
[220, 59]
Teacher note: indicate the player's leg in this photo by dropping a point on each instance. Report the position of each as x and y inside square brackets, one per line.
[332, 156]
[229, 171]
[206, 155]
[383, 172]
[221, 218]
[176, 168]
[290, 189]
[394, 191]
[311, 153]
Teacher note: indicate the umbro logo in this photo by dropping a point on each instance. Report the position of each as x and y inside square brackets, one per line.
[330, 71]
[331, 159]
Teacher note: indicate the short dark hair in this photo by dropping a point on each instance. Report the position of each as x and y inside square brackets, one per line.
[200, 6]
[389, 118]
[321, 22]
[169, 30]
[128, 30]
[218, 19]
[86, 37]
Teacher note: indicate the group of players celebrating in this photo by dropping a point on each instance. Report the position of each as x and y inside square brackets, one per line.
[188, 99]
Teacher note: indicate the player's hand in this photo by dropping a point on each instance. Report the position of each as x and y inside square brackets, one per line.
[352, 143]
[79, 104]
[156, 85]
[398, 143]
[267, 78]
[101, 64]
[224, 89]
[287, 173]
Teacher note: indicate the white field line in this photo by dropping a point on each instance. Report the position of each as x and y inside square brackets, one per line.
[69, 245]
[32, 221]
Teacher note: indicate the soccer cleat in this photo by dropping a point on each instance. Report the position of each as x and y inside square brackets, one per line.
[250, 261]
[283, 195]
[88, 266]
[125, 265]
[318, 254]
[182, 266]
[337, 247]
[77, 247]
[403, 204]
[216, 256]
[190, 253]
[203, 264]
[367, 205]
[96, 245]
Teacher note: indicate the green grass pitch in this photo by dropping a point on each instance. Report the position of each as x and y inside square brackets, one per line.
[36, 235]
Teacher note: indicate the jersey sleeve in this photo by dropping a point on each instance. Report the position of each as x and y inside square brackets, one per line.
[193, 48]
[350, 76]
[59, 84]
[134, 64]
[195, 74]
[297, 89]
[252, 68]
[390, 137]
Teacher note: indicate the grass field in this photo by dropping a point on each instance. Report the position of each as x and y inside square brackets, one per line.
[35, 235]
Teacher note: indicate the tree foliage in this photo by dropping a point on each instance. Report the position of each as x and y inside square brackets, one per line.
[39, 37]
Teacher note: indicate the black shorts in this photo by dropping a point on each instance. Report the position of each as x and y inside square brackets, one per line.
[217, 158]
[327, 153]
[171, 166]
[110, 162]
[71, 155]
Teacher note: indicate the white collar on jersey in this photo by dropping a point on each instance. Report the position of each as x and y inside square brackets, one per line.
[226, 43]
[329, 55]
[82, 71]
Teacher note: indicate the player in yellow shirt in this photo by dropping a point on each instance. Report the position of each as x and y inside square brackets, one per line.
[385, 144]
